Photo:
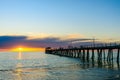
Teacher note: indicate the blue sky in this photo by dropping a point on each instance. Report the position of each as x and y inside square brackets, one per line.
[98, 18]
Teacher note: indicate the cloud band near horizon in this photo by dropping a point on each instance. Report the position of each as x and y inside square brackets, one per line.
[7, 42]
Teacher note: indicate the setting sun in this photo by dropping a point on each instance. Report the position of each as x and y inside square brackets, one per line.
[20, 49]
[26, 49]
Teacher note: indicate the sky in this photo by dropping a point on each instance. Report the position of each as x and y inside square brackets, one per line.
[49, 21]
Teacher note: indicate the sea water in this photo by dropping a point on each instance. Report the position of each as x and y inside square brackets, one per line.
[41, 66]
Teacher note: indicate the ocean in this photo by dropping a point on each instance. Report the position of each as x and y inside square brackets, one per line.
[41, 66]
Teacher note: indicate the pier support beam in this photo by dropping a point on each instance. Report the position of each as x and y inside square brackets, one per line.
[104, 54]
[99, 54]
[83, 57]
[87, 54]
[110, 55]
[118, 55]
[92, 54]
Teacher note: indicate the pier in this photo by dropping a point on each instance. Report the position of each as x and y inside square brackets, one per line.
[103, 52]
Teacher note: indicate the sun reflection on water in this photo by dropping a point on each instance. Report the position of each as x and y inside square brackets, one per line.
[19, 55]
[19, 65]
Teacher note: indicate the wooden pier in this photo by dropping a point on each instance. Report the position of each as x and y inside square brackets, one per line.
[104, 52]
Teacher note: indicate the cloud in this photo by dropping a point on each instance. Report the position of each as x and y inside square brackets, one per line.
[10, 41]
[74, 36]
[14, 41]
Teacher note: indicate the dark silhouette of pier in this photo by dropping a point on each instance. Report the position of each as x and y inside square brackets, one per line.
[103, 52]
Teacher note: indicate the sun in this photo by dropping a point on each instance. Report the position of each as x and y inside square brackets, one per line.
[26, 49]
[20, 49]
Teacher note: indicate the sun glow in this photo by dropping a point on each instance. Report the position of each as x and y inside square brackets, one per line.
[26, 49]
[20, 49]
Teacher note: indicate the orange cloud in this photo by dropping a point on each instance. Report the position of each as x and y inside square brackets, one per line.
[71, 36]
